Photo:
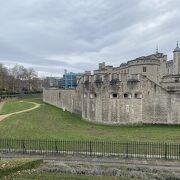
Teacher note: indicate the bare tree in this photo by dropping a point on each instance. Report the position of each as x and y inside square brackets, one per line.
[19, 79]
[31, 76]
[3, 78]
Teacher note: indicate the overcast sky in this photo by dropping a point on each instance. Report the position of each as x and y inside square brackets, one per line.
[53, 35]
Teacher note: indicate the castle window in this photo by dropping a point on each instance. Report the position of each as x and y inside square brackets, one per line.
[93, 95]
[128, 95]
[138, 95]
[114, 95]
[144, 69]
[59, 95]
[176, 79]
[155, 87]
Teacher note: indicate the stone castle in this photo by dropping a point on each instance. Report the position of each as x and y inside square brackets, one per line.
[144, 90]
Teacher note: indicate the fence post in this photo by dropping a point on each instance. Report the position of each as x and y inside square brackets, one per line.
[23, 146]
[127, 150]
[165, 151]
[90, 148]
[8, 147]
[179, 152]
[56, 148]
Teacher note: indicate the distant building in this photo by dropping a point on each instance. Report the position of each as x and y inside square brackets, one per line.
[61, 83]
[52, 81]
[87, 72]
[70, 80]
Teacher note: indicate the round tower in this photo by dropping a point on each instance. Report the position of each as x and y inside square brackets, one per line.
[176, 60]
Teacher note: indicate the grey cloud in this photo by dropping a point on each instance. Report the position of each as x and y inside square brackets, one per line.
[93, 30]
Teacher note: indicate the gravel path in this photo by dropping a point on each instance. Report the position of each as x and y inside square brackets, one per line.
[2, 117]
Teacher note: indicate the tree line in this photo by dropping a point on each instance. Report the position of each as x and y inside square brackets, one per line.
[19, 79]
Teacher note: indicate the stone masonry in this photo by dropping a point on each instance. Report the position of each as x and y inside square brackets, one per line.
[145, 90]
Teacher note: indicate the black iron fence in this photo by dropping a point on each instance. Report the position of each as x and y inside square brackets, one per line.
[144, 150]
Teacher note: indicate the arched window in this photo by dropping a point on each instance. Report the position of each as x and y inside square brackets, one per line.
[144, 69]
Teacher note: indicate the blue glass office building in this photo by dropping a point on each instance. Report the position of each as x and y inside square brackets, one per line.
[70, 80]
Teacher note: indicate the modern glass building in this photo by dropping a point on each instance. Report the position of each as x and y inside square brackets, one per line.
[70, 80]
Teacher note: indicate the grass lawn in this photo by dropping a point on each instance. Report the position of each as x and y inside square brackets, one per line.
[13, 106]
[49, 122]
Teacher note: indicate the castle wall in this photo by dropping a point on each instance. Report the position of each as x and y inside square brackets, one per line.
[174, 109]
[110, 102]
[65, 99]
[155, 104]
[141, 90]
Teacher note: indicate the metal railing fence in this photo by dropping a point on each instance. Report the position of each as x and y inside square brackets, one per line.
[143, 150]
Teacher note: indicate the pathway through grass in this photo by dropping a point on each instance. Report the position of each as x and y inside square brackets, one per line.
[14, 106]
[17, 107]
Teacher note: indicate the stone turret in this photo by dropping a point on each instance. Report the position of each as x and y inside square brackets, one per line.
[176, 59]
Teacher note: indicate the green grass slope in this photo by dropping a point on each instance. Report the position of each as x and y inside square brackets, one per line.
[49, 122]
[14, 106]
